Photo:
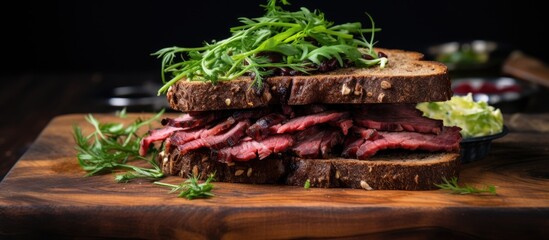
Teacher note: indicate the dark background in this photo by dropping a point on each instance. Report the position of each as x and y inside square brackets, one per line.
[119, 36]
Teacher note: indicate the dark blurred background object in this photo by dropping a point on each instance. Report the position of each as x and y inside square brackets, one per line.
[86, 56]
[508, 94]
[117, 36]
[527, 68]
[470, 58]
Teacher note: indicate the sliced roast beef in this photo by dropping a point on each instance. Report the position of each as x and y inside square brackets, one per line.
[357, 137]
[308, 143]
[229, 138]
[251, 149]
[260, 129]
[330, 139]
[274, 128]
[184, 136]
[218, 128]
[396, 118]
[303, 122]
[181, 137]
[448, 140]
[320, 133]
[364, 133]
[190, 121]
[344, 124]
[156, 135]
[244, 151]
[278, 143]
[351, 145]
[317, 142]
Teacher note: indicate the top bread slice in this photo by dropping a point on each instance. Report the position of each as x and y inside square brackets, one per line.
[405, 79]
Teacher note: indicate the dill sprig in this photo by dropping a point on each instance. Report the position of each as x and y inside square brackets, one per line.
[191, 188]
[453, 186]
[303, 39]
[112, 146]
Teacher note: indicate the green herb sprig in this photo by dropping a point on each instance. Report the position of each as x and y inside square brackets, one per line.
[453, 186]
[191, 188]
[303, 39]
[307, 184]
[112, 146]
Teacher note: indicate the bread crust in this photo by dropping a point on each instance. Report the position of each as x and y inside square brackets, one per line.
[405, 79]
[389, 171]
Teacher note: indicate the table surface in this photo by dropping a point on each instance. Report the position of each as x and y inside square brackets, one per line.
[46, 186]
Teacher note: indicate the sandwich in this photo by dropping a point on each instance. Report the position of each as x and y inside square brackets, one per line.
[292, 99]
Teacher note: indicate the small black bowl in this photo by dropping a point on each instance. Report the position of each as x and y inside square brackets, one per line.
[476, 148]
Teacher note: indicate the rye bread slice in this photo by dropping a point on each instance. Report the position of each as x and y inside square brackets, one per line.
[405, 79]
[405, 171]
[267, 171]
[392, 171]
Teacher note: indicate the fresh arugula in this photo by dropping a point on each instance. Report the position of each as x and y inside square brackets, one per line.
[302, 39]
[112, 146]
[453, 186]
[191, 188]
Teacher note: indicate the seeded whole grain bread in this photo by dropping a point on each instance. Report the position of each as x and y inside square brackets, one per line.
[405, 79]
[390, 171]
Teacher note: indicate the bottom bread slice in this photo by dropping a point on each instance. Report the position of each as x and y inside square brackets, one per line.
[388, 171]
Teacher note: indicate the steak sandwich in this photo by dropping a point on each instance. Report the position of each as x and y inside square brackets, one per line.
[331, 121]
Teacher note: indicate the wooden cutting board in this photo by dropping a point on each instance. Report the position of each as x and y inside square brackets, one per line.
[45, 194]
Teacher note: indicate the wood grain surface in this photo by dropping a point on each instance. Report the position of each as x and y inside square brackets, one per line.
[45, 194]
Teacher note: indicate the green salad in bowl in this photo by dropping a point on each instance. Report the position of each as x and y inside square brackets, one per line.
[476, 119]
[480, 123]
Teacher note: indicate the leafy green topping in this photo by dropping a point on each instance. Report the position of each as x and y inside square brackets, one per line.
[297, 41]
[453, 186]
[191, 189]
[112, 146]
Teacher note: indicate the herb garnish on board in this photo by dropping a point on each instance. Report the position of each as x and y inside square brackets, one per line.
[191, 188]
[453, 186]
[114, 147]
[278, 43]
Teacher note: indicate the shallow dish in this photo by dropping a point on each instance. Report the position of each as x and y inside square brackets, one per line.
[476, 148]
